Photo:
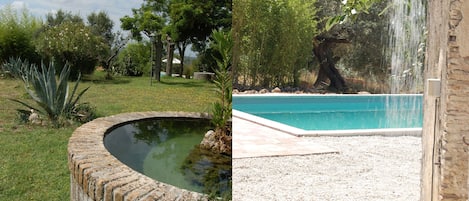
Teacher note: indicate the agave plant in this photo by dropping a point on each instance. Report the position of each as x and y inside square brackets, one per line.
[51, 94]
[17, 68]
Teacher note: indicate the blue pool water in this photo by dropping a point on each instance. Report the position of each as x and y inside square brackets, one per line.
[336, 112]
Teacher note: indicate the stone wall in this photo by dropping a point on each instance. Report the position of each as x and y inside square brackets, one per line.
[97, 175]
[455, 106]
[446, 121]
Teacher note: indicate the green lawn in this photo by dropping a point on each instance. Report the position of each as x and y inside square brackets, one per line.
[33, 160]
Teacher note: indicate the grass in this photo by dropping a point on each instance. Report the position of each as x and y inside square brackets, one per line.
[33, 160]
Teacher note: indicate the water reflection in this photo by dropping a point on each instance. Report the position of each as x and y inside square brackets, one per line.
[166, 150]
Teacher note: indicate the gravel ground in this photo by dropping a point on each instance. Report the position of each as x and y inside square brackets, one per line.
[367, 168]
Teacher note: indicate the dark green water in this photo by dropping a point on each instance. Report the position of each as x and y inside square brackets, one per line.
[166, 150]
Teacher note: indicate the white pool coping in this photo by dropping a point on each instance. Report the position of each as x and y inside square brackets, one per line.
[331, 133]
[326, 94]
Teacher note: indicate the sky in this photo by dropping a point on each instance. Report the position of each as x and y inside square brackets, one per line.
[114, 8]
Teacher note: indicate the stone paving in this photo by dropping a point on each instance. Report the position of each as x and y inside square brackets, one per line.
[254, 140]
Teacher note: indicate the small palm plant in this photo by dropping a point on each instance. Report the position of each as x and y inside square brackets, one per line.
[51, 95]
[221, 112]
[223, 81]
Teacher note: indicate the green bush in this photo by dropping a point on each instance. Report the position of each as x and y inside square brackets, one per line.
[17, 35]
[51, 95]
[134, 60]
[73, 44]
[82, 113]
[188, 71]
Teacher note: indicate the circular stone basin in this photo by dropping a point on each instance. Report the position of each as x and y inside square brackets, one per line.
[96, 174]
[166, 150]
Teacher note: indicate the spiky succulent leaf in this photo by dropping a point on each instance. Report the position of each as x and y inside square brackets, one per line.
[49, 93]
[62, 90]
[27, 105]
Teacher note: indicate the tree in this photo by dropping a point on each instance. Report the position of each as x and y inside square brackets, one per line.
[323, 52]
[101, 25]
[192, 21]
[169, 59]
[61, 17]
[119, 42]
[333, 33]
[149, 19]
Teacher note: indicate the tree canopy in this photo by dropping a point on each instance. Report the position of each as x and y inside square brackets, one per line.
[179, 23]
[355, 35]
[149, 18]
[195, 20]
[101, 25]
[62, 16]
[192, 22]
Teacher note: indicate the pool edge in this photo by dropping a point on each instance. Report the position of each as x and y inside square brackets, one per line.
[417, 132]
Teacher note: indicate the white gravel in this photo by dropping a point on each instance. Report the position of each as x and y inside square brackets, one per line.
[367, 168]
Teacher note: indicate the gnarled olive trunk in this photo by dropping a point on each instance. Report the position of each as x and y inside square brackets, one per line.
[327, 70]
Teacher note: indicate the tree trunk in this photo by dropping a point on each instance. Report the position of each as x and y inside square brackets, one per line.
[182, 50]
[158, 54]
[169, 58]
[107, 65]
[327, 70]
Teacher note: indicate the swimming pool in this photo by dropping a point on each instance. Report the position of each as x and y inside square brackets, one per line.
[333, 114]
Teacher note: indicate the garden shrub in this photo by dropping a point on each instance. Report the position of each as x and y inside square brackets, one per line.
[188, 71]
[73, 44]
[82, 113]
[17, 31]
[134, 60]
